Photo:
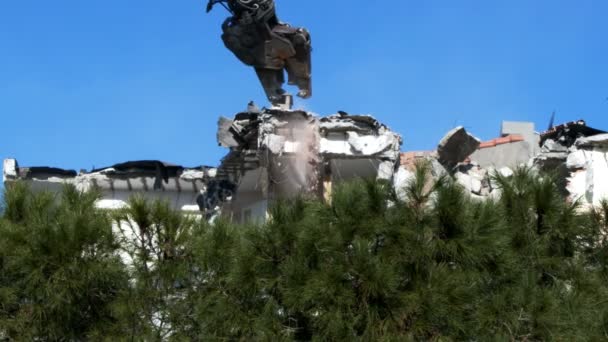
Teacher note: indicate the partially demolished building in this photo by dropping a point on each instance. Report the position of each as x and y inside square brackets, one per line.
[576, 153]
[275, 154]
[179, 186]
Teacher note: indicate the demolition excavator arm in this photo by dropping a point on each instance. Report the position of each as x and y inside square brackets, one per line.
[258, 39]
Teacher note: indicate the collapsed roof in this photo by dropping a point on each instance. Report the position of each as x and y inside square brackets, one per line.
[573, 152]
[273, 153]
[569, 132]
[277, 153]
[118, 180]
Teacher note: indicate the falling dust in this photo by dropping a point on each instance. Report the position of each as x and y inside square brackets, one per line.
[300, 165]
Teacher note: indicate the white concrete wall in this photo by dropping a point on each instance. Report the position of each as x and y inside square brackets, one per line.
[509, 155]
[183, 201]
[248, 207]
[588, 181]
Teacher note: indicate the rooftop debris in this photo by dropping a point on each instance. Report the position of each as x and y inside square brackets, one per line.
[117, 181]
[281, 153]
[576, 153]
[456, 146]
[276, 153]
[273, 153]
[569, 132]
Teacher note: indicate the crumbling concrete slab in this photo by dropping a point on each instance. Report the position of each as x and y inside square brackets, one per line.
[576, 160]
[588, 164]
[276, 153]
[551, 146]
[304, 154]
[403, 177]
[600, 141]
[178, 185]
[474, 179]
[11, 170]
[456, 146]
[224, 137]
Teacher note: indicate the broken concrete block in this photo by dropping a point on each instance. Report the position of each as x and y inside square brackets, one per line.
[586, 180]
[10, 169]
[471, 181]
[576, 160]
[456, 146]
[505, 172]
[386, 169]
[371, 144]
[464, 180]
[193, 175]
[551, 145]
[476, 186]
[597, 182]
[401, 180]
[576, 185]
[437, 169]
[224, 136]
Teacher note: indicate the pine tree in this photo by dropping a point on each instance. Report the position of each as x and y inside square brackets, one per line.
[434, 265]
[542, 289]
[153, 239]
[59, 274]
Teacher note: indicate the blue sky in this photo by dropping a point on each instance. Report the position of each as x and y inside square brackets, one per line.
[96, 82]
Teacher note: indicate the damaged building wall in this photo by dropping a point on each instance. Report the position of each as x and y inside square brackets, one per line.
[518, 142]
[588, 164]
[193, 190]
[273, 154]
[358, 146]
[277, 154]
[503, 152]
[577, 155]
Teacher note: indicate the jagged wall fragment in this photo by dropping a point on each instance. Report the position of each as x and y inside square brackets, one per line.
[588, 165]
[456, 146]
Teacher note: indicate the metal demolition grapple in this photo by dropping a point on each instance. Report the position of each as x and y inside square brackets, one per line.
[257, 38]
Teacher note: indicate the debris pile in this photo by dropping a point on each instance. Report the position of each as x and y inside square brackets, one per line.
[272, 154]
[574, 152]
[278, 153]
[184, 188]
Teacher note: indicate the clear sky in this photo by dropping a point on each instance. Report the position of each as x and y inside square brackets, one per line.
[88, 83]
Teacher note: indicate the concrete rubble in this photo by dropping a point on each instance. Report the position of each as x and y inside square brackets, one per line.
[278, 153]
[272, 154]
[184, 188]
[587, 163]
[456, 146]
[574, 152]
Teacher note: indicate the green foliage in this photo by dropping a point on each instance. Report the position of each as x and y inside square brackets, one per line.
[436, 266]
[59, 275]
[154, 241]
